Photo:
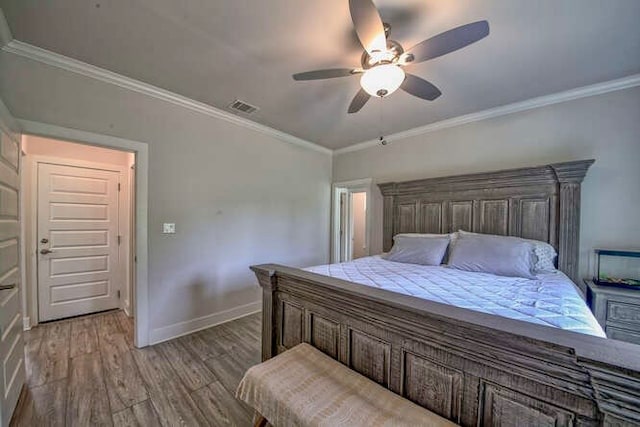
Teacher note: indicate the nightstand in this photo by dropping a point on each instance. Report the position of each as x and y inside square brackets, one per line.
[617, 310]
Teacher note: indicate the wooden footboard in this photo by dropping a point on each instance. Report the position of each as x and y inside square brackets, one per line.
[473, 368]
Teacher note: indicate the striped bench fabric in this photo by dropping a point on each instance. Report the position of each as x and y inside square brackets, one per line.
[304, 387]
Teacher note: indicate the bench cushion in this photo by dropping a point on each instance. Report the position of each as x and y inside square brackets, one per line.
[304, 387]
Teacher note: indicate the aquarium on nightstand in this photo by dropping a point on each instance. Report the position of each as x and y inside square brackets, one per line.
[620, 268]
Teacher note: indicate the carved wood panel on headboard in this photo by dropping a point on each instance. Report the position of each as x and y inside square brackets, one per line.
[541, 203]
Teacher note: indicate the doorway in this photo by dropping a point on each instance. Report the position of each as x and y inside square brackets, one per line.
[351, 220]
[358, 227]
[78, 231]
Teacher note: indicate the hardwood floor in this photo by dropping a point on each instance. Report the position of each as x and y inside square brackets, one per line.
[85, 371]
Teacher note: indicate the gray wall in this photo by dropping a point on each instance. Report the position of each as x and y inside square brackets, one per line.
[238, 197]
[604, 127]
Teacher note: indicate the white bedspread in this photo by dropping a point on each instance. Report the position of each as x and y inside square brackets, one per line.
[551, 300]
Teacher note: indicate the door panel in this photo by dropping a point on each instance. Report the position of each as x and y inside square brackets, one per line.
[79, 265]
[78, 223]
[80, 212]
[78, 238]
[65, 293]
[11, 344]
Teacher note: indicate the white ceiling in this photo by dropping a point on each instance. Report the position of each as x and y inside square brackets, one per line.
[217, 51]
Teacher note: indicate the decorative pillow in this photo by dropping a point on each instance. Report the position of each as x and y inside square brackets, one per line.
[544, 252]
[546, 255]
[499, 255]
[423, 251]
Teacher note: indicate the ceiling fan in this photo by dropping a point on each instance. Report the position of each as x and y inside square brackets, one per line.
[383, 58]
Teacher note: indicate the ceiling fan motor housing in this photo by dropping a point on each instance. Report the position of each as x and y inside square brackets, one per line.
[394, 50]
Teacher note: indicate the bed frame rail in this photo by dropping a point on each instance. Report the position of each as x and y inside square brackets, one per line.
[473, 368]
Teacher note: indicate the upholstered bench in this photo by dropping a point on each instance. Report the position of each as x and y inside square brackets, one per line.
[304, 387]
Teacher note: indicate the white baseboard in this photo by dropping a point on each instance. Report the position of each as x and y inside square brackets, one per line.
[176, 330]
[126, 307]
[26, 323]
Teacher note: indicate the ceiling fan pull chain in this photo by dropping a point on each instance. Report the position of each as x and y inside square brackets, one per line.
[382, 140]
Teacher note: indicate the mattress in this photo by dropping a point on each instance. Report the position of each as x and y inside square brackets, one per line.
[551, 300]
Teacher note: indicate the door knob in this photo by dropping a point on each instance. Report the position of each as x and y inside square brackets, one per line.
[45, 251]
[44, 240]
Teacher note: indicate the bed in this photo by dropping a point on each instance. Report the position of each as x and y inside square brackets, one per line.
[476, 361]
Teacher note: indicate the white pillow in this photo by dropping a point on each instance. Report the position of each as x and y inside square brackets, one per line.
[544, 252]
[423, 251]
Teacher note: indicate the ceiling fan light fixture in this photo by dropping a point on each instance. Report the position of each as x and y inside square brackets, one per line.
[382, 80]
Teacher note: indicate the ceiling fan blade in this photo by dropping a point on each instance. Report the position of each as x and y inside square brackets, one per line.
[449, 41]
[358, 101]
[324, 74]
[368, 25]
[420, 88]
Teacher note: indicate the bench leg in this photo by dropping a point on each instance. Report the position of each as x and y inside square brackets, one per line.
[260, 421]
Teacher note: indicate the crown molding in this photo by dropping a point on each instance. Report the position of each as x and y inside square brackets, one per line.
[5, 31]
[8, 124]
[542, 101]
[69, 64]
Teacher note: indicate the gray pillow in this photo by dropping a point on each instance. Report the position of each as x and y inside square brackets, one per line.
[418, 250]
[451, 237]
[544, 252]
[499, 255]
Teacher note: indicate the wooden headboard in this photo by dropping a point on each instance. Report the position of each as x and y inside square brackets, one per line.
[541, 203]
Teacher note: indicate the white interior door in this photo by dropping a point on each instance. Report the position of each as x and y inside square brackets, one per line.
[11, 343]
[77, 240]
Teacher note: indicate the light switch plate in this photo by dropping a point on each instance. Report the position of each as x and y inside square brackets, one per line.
[168, 228]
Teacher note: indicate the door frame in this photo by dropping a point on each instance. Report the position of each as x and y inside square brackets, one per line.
[141, 152]
[342, 200]
[355, 186]
[31, 171]
[13, 133]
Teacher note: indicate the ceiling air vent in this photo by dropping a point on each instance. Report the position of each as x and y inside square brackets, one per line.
[242, 107]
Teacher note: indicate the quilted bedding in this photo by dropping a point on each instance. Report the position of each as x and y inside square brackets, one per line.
[552, 299]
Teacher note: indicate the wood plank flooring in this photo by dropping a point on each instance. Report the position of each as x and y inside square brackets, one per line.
[85, 371]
